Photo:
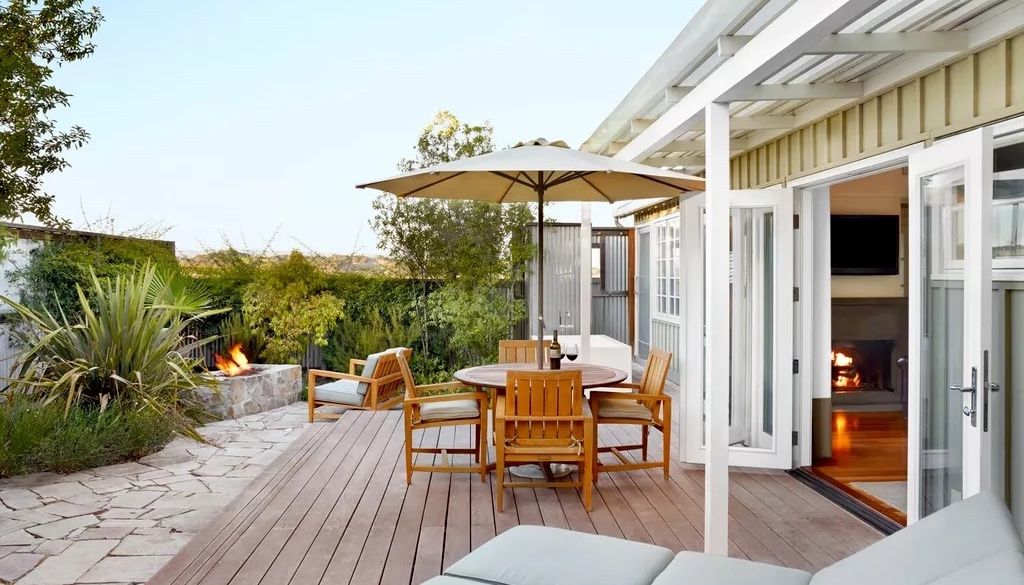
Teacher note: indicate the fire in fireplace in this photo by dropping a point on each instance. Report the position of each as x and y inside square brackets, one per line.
[235, 363]
[862, 365]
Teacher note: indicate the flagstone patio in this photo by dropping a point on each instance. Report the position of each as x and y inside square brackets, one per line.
[121, 523]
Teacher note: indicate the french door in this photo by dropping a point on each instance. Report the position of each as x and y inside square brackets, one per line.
[950, 371]
[761, 328]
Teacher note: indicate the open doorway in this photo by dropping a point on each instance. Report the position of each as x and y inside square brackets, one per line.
[861, 447]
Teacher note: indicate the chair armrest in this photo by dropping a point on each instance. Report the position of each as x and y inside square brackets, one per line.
[478, 396]
[338, 376]
[633, 397]
[352, 363]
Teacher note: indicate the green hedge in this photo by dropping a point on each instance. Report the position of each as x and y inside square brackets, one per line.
[35, 438]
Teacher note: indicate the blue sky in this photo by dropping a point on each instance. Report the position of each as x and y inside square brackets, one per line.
[246, 118]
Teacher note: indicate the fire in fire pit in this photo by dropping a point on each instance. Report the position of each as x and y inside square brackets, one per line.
[235, 363]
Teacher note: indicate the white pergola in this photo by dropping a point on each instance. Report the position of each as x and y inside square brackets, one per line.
[743, 72]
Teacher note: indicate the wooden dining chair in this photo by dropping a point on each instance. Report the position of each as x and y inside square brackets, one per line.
[645, 405]
[426, 407]
[544, 418]
[519, 351]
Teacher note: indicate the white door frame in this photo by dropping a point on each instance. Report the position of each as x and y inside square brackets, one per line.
[692, 384]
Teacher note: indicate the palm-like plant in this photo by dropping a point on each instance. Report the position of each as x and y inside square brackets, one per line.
[129, 345]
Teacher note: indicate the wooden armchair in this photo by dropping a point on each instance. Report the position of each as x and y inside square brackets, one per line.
[519, 351]
[377, 387]
[544, 418]
[423, 411]
[647, 405]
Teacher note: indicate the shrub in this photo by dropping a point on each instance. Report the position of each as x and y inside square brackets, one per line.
[290, 304]
[128, 346]
[43, 437]
[56, 269]
[476, 319]
[234, 329]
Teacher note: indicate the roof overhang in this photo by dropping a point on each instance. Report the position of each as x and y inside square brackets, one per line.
[784, 64]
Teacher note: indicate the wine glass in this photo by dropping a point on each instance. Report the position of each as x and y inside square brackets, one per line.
[572, 352]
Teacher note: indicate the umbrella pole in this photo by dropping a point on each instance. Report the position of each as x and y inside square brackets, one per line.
[540, 278]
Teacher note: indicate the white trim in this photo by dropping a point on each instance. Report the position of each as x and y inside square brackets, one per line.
[866, 166]
[585, 282]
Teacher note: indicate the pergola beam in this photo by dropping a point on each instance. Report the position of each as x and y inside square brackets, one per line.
[869, 43]
[678, 161]
[735, 145]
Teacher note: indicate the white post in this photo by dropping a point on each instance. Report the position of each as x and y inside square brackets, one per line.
[585, 310]
[716, 365]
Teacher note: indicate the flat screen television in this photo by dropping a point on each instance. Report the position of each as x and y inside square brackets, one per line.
[865, 244]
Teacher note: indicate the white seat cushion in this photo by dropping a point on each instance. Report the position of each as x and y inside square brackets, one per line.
[539, 555]
[610, 408]
[450, 410]
[340, 392]
[692, 568]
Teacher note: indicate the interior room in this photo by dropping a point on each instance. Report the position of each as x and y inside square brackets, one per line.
[866, 454]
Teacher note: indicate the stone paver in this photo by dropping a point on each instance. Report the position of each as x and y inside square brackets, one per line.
[121, 523]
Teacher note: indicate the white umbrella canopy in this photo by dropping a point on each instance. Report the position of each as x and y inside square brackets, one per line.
[538, 171]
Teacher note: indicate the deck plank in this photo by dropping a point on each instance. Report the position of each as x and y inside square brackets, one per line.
[335, 508]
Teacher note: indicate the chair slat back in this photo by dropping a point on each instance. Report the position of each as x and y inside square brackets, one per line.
[403, 365]
[386, 366]
[551, 402]
[655, 372]
[519, 351]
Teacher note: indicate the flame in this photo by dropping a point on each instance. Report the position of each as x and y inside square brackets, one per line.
[848, 377]
[841, 359]
[235, 364]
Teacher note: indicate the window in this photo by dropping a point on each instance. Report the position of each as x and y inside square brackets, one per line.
[666, 270]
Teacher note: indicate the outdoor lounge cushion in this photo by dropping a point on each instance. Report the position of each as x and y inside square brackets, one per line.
[368, 370]
[450, 410]
[538, 555]
[341, 392]
[690, 568]
[608, 408]
[976, 530]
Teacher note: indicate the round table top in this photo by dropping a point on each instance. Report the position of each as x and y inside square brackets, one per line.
[495, 375]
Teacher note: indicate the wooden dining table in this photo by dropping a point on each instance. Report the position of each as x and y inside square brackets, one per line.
[496, 376]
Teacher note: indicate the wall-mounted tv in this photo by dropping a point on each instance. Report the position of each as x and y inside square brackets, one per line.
[865, 244]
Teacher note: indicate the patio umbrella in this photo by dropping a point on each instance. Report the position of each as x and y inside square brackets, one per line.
[539, 171]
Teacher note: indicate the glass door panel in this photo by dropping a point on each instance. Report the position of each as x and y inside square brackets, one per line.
[761, 334]
[951, 236]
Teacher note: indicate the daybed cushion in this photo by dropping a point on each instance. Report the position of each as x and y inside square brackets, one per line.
[692, 568]
[538, 555]
[610, 408]
[450, 410]
[341, 392]
[968, 532]
[446, 580]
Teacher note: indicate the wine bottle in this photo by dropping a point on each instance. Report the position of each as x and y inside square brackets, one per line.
[555, 353]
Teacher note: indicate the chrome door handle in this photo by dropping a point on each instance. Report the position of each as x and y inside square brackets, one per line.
[972, 410]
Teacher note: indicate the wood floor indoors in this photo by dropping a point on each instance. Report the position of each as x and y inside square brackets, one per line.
[335, 509]
[867, 447]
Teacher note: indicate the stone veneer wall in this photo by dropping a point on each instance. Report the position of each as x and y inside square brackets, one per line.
[272, 386]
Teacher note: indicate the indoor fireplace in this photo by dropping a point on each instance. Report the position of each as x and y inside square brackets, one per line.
[863, 365]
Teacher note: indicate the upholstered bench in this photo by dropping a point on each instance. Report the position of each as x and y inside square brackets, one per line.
[969, 543]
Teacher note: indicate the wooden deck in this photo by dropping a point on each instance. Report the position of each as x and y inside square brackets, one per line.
[335, 509]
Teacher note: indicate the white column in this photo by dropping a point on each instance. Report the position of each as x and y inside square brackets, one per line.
[716, 364]
[585, 310]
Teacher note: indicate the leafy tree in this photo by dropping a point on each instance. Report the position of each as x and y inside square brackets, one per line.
[289, 303]
[35, 38]
[474, 245]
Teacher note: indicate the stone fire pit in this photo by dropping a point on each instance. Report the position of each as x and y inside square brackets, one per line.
[266, 387]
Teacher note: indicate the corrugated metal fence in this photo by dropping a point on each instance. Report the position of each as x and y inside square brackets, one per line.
[610, 281]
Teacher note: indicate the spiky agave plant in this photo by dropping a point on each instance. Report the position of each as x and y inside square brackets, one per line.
[129, 345]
